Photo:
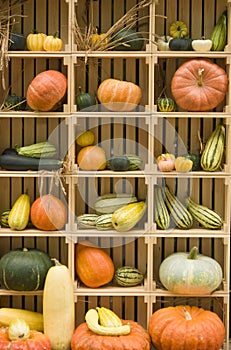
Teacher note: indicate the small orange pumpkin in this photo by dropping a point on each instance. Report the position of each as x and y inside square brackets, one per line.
[92, 158]
[94, 266]
[46, 90]
[118, 95]
[186, 327]
[48, 213]
[199, 85]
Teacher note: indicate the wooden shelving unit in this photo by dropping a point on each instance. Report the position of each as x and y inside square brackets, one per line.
[145, 132]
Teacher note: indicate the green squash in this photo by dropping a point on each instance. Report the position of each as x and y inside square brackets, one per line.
[85, 100]
[196, 159]
[165, 104]
[119, 163]
[128, 40]
[190, 273]
[180, 44]
[15, 103]
[24, 269]
[17, 42]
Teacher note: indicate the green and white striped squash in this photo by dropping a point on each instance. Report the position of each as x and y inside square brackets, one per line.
[207, 217]
[104, 222]
[165, 104]
[128, 276]
[161, 214]
[110, 202]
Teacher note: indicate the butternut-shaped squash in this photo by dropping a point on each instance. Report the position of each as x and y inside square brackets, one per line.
[59, 307]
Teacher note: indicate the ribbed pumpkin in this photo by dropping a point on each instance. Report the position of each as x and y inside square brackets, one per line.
[94, 266]
[24, 269]
[46, 90]
[118, 95]
[199, 85]
[186, 327]
[190, 273]
[137, 339]
[48, 213]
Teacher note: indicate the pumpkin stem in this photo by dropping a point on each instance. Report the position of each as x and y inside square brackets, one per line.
[187, 314]
[200, 71]
[56, 262]
[56, 34]
[193, 253]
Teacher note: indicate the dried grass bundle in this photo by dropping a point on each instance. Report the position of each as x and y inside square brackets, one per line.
[129, 20]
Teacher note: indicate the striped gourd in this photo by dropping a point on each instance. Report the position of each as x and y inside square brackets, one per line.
[208, 218]
[87, 220]
[4, 218]
[179, 213]
[107, 317]
[161, 214]
[110, 202]
[19, 215]
[219, 33]
[38, 150]
[135, 162]
[165, 104]
[104, 222]
[126, 217]
[128, 276]
[213, 152]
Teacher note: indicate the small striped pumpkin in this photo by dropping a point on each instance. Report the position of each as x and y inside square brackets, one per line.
[118, 95]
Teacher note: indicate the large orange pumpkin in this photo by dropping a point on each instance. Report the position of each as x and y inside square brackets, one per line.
[186, 327]
[118, 95]
[48, 213]
[94, 266]
[46, 90]
[199, 85]
[92, 158]
[137, 339]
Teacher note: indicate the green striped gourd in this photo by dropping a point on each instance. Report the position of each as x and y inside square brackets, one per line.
[165, 104]
[161, 214]
[208, 218]
[20, 212]
[213, 152]
[37, 150]
[110, 202]
[128, 276]
[126, 217]
[4, 218]
[219, 33]
[104, 222]
[87, 220]
[179, 213]
[135, 162]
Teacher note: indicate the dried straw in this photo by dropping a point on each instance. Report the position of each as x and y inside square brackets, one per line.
[83, 38]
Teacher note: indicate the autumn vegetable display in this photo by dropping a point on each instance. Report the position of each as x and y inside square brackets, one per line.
[46, 90]
[18, 335]
[48, 213]
[59, 307]
[190, 273]
[94, 266]
[182, 327]
[24, 269]
[125, 98]
[35, 40]
[52, 43]
[120, 333]
[195, 76]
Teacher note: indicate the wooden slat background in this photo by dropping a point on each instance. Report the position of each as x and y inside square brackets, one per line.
[118, 135]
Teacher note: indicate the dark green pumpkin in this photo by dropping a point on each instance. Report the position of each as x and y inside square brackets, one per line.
[85, 100]
[196, 159]
[128, 40]
[24, 269]
[165, 104]
[15, 103]
[119, 163]
[17, 42]
[181, 44]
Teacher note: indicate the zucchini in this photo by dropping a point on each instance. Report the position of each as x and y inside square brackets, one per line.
[37, 150]
[15, 162]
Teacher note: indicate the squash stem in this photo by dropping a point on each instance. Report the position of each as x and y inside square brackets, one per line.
[188, 317]
[56, 262]
[200, 71]
[193, 253]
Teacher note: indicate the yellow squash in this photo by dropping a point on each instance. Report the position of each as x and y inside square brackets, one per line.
[32, 318]
[20, 212]
[126, 217]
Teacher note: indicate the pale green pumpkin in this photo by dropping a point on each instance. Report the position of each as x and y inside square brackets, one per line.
[190, 273]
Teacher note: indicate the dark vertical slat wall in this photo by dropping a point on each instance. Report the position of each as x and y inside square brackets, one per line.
[120, 135]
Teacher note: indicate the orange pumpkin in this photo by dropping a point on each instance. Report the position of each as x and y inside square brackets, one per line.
[117, 95]
[46, 91]
[94, 266]
[137, 339]
[199, 85]
[92, 158]
[186, 327]
[48, 213]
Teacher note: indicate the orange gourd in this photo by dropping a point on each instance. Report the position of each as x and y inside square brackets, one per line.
[186, 327]
[94, 266]
[199, 85]
[118, 95]
[48, 213]
[84, 339]
[92, 158]
[46, 91]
